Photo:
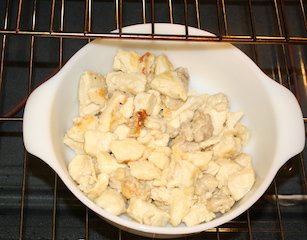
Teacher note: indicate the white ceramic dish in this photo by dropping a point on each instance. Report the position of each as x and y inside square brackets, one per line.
[271, 112]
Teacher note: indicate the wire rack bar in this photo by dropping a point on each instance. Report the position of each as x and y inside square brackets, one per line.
[303, 172]
[280, 222]
[52, 16]
[227, 38]
[285, 72]
[303, 13]
[25, 167]
[4, 44]
[185, 11]
[251, 18]
[152, 15]
[144, 11]
[197, 13]
[224, 16]
[18, 15]
[54, 206]
[221, 6]
[86, 227]
[170, 6]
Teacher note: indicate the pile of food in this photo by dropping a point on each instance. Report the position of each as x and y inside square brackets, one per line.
[149, 147]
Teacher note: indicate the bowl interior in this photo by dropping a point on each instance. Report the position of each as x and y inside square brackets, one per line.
[213, 67]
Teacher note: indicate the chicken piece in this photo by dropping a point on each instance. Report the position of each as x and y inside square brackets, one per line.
[181, 203]
[197, 214]
[131, 187]
[126, 61]
[166, 150]
[202, 127]
[163, 180]
[182, 174]
[80, 126]
[111, 201]
[117, 119]
[144, 170]
[82, 171]
[92, 93]
[227, 168]
[158, 105]
[147, 152]
[146, 63]
[241, 132]
[233, 118]
[160, 139]
[209, 143]
[133, 82]
[186, 131]
[220, 203]
[218, 102]
[227, 147]
[184, 145]
[162, 64]
[161, 195]
[199, 129]
[190, 147]
[224, 190]
[181, 121]
[153, 138]
[240, 183]
[213, 168]
[106, 118]
[144, 136]
[170, 84]
[91, 109]
[155, 123]
[106, 163]
[122, 131]
[192, 103]
[206, 184]
[98, 96]
[99, 187]
[147, 213]
[127, 150]
[198, 158]
[145, 101]
[159, 159]
[183, 114]
[172, 103]
[127, 108]
[176, 155]
[166, 112]
[244, 159]
[117, 177]
[89, 81]
[218, 120]
[137, 123]
[183, 74]
[96, 141]
[74, 145]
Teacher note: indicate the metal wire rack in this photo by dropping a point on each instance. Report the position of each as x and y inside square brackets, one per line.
[38, 37]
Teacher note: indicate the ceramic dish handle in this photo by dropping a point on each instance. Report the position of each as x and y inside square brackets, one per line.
[36, 121]
[290, 124]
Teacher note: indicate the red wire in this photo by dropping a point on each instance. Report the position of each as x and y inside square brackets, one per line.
[15, 109]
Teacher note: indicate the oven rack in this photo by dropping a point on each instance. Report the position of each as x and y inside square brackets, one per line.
[191, 15]
[37, 37]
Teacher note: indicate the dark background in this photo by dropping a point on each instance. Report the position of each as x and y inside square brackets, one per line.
[34, 203]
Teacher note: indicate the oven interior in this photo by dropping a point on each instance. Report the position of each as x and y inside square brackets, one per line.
[38, 37]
